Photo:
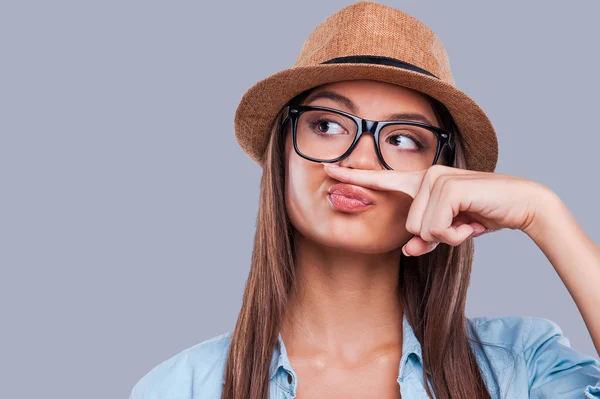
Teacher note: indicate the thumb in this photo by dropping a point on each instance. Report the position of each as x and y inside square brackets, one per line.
[416, 246]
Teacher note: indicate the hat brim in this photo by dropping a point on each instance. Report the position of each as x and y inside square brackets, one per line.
[261, 103]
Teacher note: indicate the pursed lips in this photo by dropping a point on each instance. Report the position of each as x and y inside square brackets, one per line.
[351, 191]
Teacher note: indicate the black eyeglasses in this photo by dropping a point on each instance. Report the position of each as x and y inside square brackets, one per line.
[322, 134]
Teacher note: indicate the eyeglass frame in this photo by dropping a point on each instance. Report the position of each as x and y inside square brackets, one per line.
[293, 112]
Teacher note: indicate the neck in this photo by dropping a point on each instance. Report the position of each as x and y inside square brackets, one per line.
[344, 303]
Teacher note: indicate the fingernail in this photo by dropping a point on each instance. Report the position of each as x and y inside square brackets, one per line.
[329, 164]
[475, 234]
[404, 250]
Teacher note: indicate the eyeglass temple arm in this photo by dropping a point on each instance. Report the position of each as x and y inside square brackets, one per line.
[286, 115]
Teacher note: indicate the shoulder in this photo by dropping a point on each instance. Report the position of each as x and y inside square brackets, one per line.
[519, 332]
[192, 373]
[547, 361]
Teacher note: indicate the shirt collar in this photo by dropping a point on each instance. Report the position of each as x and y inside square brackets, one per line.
[410, 345]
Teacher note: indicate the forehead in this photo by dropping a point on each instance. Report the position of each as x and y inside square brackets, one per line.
[372, 99]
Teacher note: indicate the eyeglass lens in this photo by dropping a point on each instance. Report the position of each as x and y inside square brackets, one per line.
[327, 135]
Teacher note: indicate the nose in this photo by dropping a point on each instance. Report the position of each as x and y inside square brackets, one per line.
[364, 154]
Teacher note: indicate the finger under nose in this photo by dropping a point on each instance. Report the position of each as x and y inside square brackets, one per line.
[390, 180]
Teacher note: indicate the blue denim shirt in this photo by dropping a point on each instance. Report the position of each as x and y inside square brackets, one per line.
[532, 359]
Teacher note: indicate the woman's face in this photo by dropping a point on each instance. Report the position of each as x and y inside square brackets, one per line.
[377, 228]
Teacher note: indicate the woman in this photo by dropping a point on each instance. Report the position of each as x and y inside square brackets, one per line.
[377, 175]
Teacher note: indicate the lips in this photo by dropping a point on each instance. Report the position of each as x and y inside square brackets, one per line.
[351, 191]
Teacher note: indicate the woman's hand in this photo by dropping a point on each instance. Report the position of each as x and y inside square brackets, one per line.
[451, 205]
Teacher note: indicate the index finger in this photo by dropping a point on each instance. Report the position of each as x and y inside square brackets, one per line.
[391, 180]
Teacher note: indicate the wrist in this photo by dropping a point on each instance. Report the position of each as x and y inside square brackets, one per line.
[548, 212]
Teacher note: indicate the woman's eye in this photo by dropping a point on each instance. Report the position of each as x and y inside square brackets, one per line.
[329, 127]
[405, 142]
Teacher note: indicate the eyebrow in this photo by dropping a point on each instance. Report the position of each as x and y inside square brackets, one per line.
[345, 101]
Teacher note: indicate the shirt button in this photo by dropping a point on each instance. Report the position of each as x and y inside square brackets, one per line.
[290, 378]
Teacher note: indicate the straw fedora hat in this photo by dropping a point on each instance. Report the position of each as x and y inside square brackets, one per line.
[368, 40]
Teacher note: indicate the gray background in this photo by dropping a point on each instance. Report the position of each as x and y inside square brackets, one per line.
[128, 210]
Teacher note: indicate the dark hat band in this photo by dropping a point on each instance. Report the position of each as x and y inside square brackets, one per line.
[380, 60]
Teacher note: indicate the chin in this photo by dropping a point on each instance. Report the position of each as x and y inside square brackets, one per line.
[351, 235]
[359, 246]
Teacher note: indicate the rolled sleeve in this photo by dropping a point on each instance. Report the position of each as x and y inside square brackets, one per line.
[556, 370]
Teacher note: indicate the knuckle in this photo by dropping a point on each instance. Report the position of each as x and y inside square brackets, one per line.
[427, 236]
[442, 182]
[437, 176]
[437, 231]
[432, 173]
[437, 168]
[412, 227]
[439, 234]
[450, 186]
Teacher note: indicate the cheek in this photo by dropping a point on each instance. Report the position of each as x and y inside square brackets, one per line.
[304, 189]
[306, 196]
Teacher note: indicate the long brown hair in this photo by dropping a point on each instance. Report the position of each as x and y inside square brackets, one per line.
[426, 283]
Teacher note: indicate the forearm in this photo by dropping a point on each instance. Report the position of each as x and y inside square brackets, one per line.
[575, 257]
